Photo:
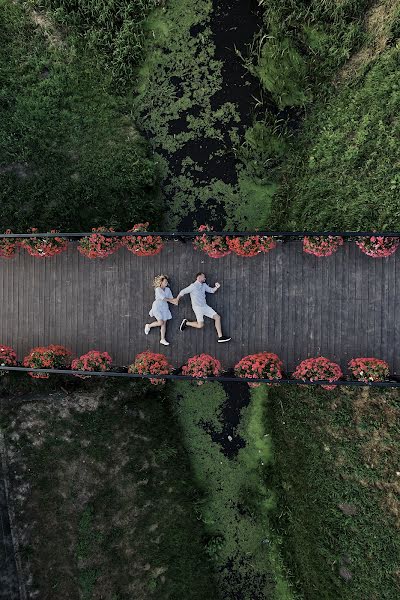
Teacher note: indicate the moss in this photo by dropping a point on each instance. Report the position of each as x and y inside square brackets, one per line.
[236, 499]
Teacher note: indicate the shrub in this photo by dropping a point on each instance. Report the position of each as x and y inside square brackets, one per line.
[8, 357]
[369, 369]
[8, 246]
[148, 245]
[251, 245]
[92, 361]
[47, 357]
[44, 247]
[202, 365]
[215, 247]
[98, 245]
[377, 246]
[263, 365]
[319, 368]
[151, 363]
[321, 245]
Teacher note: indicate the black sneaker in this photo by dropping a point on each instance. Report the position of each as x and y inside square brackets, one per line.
[183, 325]
[223, 339]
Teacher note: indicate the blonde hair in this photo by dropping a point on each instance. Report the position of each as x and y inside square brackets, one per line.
[158, 279]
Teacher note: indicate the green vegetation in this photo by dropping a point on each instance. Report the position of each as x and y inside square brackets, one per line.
[342, 172]
[111, 31]
[102, 472]
[71, 156]
[303, 44]
[336, 475]
[236, 504]
[176, 108]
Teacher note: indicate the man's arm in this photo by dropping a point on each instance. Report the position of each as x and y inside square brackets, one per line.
[211, 290]
[185, 290]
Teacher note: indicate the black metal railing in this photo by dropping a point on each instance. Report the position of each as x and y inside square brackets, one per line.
[340, 382]
[192, 234]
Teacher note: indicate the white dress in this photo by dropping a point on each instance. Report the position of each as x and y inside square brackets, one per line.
[160, 309]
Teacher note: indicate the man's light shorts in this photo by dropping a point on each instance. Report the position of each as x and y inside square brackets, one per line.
[203, 311]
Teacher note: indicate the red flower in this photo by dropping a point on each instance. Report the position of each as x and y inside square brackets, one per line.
[47, 357]
[369, 369]
[151, 363]
[319, 368]
[202, 365]
[92, 361]
[264, 365]
[98, 245]
[43, 247]
[214, 246]
[148, 245]
[8, 246]
[251, 245]
[322, 245]
[8, 357]
[378, 247]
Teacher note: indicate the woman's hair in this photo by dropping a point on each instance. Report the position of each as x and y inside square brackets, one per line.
[158, 280]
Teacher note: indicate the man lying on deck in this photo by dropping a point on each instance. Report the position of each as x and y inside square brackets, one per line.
[197, 291]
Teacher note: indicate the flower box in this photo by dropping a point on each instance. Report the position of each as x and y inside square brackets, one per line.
[47, 357]
[8, 246]
[8, 358]
[319, 368]
[202, 365]
[98, 245]
[43, 247]
[92, 361]
[369, 369]
[151, 363]
[148, 245]
[322, 245]
[213, 246]
[263, 365]
[378, 246]
[251, 245]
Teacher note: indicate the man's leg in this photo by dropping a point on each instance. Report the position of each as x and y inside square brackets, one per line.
[217, 323]
[195, 324]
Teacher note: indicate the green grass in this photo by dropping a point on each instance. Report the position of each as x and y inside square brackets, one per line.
[335, 448]
[302, 45]
[236, 501]
[112, 30]
[111, 500]
[342, 172]
[71, 156]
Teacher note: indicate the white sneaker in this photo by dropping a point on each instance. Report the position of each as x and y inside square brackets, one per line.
[147, 329]
[164, 342]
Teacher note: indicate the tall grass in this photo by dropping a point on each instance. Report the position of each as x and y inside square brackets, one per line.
[302, 44]
[70, 155]
[111, 29]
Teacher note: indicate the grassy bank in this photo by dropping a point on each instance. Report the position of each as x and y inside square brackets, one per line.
[301, 46]
[342, 172]
[104, 496]
[337, 480]
[236, 504]
[71, 156]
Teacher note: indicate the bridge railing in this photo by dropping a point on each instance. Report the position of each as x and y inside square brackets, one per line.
[394, 383]
[192, 234]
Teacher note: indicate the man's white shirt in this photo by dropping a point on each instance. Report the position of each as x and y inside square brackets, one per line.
[197, 293]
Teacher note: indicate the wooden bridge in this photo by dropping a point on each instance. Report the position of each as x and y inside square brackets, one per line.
[286, 301]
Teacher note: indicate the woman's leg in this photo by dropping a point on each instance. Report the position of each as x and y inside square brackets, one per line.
[156, 324]
[163, 329]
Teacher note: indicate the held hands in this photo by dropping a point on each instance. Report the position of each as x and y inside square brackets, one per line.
[217, 286]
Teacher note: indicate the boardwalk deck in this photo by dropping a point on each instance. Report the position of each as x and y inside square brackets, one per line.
[286, 302]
